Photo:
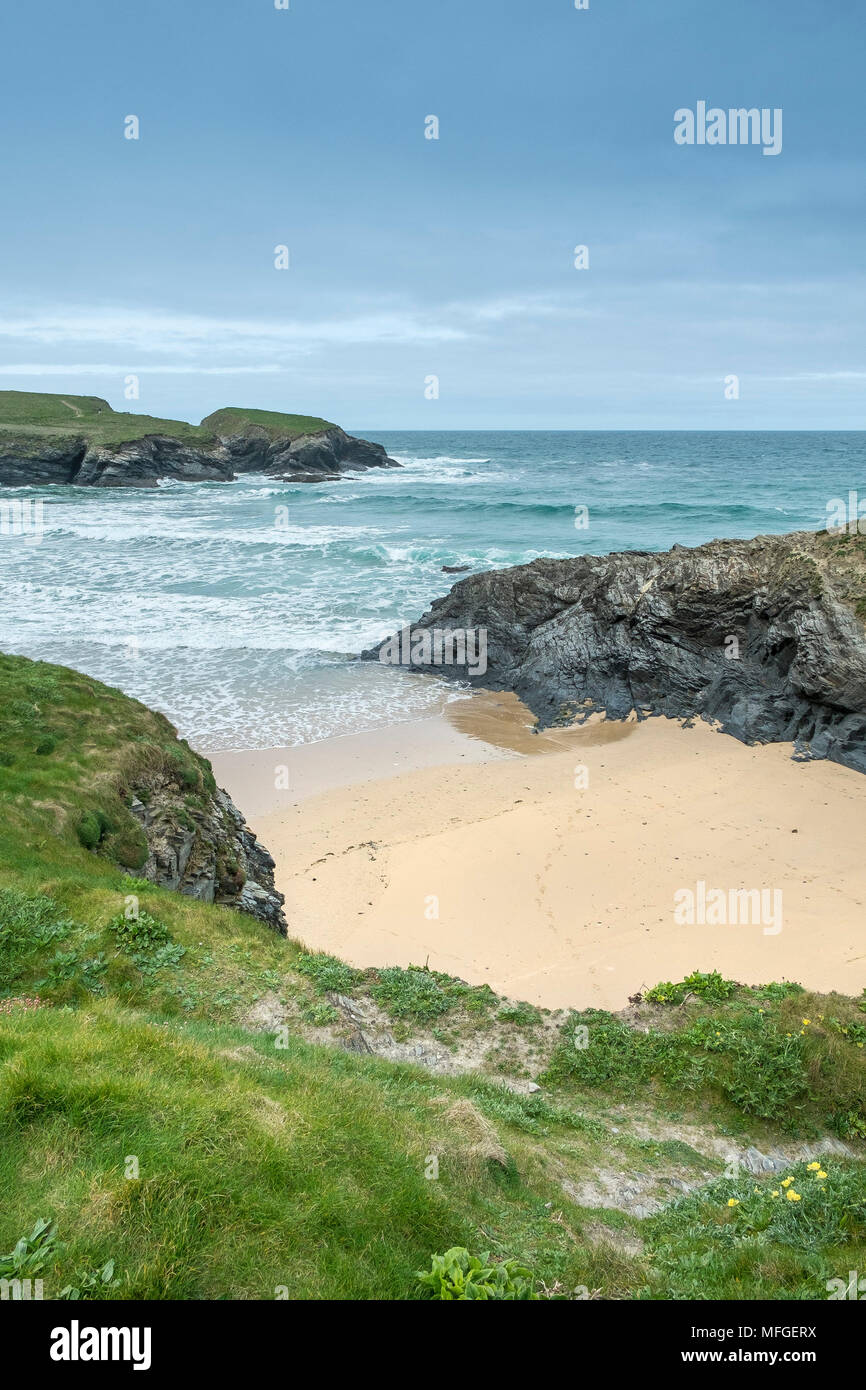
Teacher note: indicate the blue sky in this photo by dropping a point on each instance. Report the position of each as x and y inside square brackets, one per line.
[411, 257]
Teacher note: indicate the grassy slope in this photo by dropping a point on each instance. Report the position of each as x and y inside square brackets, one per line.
[39, 416]
[303, 1166]
[237, 420]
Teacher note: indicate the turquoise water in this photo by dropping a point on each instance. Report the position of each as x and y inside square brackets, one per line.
[236, 608]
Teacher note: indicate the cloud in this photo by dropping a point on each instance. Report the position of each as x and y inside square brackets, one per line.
[154, 331]
[230, 343]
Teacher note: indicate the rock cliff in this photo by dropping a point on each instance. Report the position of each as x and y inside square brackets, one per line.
[765, 636]
[80, 441]
[207, 851]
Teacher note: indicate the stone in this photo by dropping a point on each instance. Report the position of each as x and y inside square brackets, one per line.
[216, 858]
[638, 631]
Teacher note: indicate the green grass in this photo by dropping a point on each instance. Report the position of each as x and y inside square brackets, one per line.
[746, 1239]
[421, 994]
[237, 420]
[257, 1168]
[34, 416]
[775, 1053]
[267, 1162]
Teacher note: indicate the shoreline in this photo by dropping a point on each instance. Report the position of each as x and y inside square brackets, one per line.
[558, 893]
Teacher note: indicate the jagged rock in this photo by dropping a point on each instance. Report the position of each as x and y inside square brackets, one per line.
[307, 458]
[143, 462]
[207, 852]
[765, 636]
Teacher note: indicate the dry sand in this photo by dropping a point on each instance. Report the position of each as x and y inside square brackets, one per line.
[546, 865]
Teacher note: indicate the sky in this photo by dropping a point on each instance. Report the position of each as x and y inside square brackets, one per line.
[452, 258]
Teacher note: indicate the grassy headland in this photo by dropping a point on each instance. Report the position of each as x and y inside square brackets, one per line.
[40, 414]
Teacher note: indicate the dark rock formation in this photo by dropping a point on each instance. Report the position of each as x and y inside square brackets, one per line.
[34, 460]
[765, 636]
[306, 457]
[24, 463]
[142, 462]
[207, 851]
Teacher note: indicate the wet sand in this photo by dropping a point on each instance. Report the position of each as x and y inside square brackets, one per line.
[547, 865]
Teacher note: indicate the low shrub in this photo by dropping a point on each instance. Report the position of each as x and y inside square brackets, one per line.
[460, 1277]
[327, 973]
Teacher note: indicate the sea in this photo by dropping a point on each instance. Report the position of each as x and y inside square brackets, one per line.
[239, 609]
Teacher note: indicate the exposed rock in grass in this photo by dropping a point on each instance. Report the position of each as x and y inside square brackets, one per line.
[207, 851]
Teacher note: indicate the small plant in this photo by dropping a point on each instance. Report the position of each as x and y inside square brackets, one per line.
[423, 994]
[850, 1125]
[147, 941]
[27, 926]
[777, 990]
[139, 885]
[140, 933]
[32, 1252]
[93, 1283]
[328, 973]
[67, 965]
[522, 1014]
[92, 826]
[320, 1015]
[458, 1277]
[712, 987]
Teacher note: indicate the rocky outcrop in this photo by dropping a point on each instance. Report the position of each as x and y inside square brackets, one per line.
[765, 636]
[309, 457]
[206, 850]
[27, 462]
[105, 449]
[142, 462]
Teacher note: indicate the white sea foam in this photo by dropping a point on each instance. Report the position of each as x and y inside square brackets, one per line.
[191, 598]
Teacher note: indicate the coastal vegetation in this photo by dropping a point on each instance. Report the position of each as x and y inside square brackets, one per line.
[42, 413]
[192, 1106]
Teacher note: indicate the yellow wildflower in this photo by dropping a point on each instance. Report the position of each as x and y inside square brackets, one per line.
[733, 1202]
[775, 1194]
[813, 1167]
[822, 1174]
[786, 1182]
[792, 1196]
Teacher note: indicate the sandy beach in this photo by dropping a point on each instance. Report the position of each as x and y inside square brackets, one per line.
[555, 866]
